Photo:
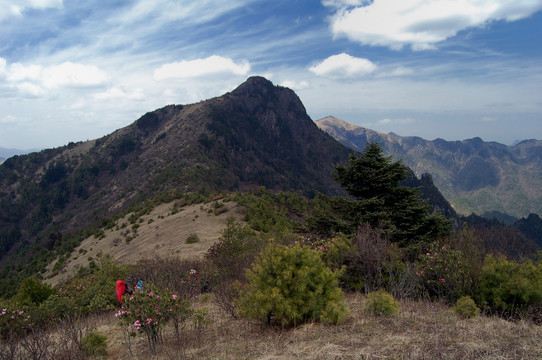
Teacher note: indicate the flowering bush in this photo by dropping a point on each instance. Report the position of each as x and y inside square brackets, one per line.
[444, 272]
[13, 320]
[147, 312]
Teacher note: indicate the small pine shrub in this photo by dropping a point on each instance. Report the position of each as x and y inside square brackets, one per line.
[508, 286]
[31, 291]
[381, 303]
[290, 286]
[57, 307]
[192, 239]
[94, 344]
[466, 308]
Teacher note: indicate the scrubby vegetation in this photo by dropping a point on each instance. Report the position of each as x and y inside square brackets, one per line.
[293, 268]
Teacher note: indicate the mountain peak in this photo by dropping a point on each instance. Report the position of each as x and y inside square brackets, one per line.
[252, 85]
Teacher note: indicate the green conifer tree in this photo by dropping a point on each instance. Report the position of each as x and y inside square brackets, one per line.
[292, 285]
[373, 179]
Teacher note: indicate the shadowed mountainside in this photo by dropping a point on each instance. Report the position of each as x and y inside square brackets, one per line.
[474, 176]
[257, 135]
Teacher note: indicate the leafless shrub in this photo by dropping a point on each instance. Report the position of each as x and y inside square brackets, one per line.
[38, 344]
[373, 250]
[9, 346]
[226, 293]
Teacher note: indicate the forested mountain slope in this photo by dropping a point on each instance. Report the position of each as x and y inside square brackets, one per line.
[474, 176]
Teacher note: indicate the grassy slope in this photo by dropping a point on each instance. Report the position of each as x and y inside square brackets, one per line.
[421, 330]
[163, 232]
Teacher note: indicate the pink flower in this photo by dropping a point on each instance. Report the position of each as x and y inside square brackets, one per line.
[442, 280]
[174, 297]
[148, 321]
[137, 324]
[150, 294]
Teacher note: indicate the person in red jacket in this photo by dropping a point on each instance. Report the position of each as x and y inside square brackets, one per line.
[122, 289]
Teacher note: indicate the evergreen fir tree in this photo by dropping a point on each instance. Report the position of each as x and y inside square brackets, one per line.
[373, 179]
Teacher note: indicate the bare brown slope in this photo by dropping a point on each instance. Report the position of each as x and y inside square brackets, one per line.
[161, 233]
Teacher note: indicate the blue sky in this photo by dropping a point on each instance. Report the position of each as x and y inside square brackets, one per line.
[452, 69]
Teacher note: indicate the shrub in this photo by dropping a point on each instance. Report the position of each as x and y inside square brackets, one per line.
[148, 311]
[444, 272]
[508, 286]
[466, 308]
[94, 344]
[32, 291]
[235, 251]
[192, 239]
[381, 303]
[291, 285]
[57, 307]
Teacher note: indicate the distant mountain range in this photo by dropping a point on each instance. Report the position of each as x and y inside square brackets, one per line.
[485, 178]
[7, 153]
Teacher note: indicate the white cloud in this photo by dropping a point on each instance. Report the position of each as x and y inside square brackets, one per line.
[388, 121]
[343, 66]
[188, 11]
[17, 7]
[423, 23]
[344, 3]
[118, 93]
[35, 80]
[211, 65]
[72, 74]
[401, 71]
[295, 85]
[488, 119]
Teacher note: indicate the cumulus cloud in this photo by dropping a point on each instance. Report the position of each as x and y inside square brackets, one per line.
[295, 85]
[35, 80]
[422, 23]
[212, 65]
[120, 94]
[343, 66]
[72, 74]
[17, 7]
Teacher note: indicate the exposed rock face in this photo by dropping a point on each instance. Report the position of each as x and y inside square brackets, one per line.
[475, 176]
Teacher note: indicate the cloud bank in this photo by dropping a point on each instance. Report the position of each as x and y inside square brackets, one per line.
[421, 23]
[212, 65]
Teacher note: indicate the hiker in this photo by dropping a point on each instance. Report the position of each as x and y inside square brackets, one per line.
[122, 289]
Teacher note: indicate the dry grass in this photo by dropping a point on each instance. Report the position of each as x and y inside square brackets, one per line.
[161, 233]
[421, 330]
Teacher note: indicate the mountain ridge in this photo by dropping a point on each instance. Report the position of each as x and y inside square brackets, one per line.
[475, 176]
[256, 135]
